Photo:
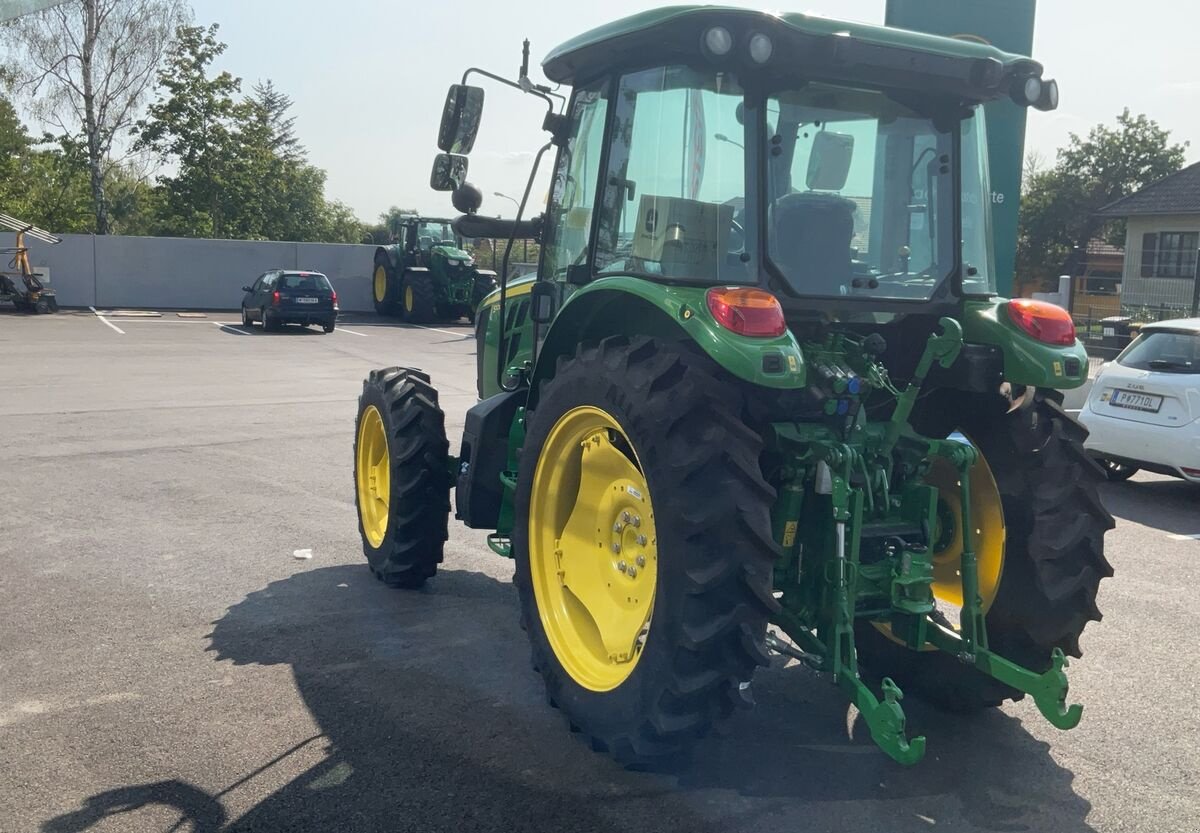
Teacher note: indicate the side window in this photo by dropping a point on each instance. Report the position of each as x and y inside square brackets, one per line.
[258, 284]
[575, 184]
[675, 185]
[269, 280]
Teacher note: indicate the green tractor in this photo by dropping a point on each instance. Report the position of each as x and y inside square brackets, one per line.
[761, 397]
[427, 275]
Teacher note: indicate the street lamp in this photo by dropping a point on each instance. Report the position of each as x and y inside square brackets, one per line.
[524, 242]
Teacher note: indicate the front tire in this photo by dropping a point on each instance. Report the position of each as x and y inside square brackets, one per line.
[418, 298]
[1053, 554]
[401, 476]
[647, 434]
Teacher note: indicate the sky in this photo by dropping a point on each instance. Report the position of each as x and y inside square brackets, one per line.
[368, 78]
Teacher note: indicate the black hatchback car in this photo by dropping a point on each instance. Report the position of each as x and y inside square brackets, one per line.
[290, 297]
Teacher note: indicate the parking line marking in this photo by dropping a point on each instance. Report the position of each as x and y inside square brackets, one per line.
[230, 327]
[1195, 536]
[351, 332]
[447, 332]
[106, 321]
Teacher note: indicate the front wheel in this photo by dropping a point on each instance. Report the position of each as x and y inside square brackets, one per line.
[643, 546]
[401, 476]
[418, 297]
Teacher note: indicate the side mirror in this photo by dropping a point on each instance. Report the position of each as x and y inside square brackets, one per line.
[460, 118]
[543, 299]
[449, 172]
[247, 289]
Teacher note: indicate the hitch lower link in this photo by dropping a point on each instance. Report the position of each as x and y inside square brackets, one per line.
[885, 717]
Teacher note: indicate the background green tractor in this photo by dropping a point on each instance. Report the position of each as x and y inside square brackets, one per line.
[427, 275]
[761, 395]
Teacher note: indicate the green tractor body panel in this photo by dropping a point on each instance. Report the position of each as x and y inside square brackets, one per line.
[1026, 360]
[621, 305]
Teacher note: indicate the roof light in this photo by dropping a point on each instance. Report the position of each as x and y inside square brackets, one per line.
[1028, 91]
[1048, 323]
[718, 41]
[1049, 97]
[747, 312]
[760, 48]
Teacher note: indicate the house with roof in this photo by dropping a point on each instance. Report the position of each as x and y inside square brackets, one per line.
[1162, 239]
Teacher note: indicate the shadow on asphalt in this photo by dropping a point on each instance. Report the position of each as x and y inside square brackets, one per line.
[432, 720]
[1168, 504]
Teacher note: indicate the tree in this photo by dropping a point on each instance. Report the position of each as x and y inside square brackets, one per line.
[270, 106]
[1058, 205]
[193, 123]
[86, 66]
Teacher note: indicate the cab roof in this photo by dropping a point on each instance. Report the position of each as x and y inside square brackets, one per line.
[831, 49]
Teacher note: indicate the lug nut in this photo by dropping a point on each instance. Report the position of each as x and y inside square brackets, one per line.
[641, 539]
[641, 560]
[633, 572]
[637, 520]
[616, 547]
[617, 527]
[625, 517]
[621, 565]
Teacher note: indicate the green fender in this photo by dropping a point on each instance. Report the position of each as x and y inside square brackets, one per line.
[623, 305]
[1027, 361]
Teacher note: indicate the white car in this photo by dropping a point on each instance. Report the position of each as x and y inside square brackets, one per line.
[1144, 408]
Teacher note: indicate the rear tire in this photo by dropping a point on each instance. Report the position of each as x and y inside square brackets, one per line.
[385, 304]
[414, 529]
[712, 594]
[1054, 551]
[327, 328]
[418, 298]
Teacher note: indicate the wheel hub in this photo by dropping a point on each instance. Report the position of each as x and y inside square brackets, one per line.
[380, 283]
[373, 475]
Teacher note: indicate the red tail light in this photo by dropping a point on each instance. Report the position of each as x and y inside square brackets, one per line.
[747, 312]
[334, 296]
[1048, 323]
[275, 297]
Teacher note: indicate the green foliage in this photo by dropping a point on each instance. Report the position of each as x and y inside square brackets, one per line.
[241, 172]
[1058, 205]
[387, 228]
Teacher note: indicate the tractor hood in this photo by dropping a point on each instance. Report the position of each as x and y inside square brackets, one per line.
[813, 46]
[450, 253]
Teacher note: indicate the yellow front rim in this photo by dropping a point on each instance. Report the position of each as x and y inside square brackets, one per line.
[408, 299]
[373, 477]
[380, 283]
[593, 550]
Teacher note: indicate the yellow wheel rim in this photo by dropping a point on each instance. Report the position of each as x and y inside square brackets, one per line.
[373, 476]
[408, 299]
[987, 516]
[593, 550]
[380, 283]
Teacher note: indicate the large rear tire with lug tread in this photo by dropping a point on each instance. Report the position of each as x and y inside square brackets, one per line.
[418, 299]
[643, 546]
[1053, 559]
[401, 479]
[384, 286]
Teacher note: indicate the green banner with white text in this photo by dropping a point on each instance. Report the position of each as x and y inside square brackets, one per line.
[1007, 25]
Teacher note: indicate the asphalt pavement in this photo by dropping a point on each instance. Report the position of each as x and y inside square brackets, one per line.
[168, 664]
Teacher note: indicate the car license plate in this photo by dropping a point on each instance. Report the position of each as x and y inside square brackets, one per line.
[306, 300]
[1136, 401]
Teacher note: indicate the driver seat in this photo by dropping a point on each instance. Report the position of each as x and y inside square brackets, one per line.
[813, 234]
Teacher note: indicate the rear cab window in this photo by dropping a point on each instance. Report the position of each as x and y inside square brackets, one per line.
[1165, 351]
[310, 281]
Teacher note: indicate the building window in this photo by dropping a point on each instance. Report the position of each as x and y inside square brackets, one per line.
[1169, 254]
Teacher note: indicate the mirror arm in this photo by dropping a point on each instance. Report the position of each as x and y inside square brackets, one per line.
[501, 352]
[525, 88]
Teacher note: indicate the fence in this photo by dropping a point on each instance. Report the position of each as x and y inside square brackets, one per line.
[177, 273]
